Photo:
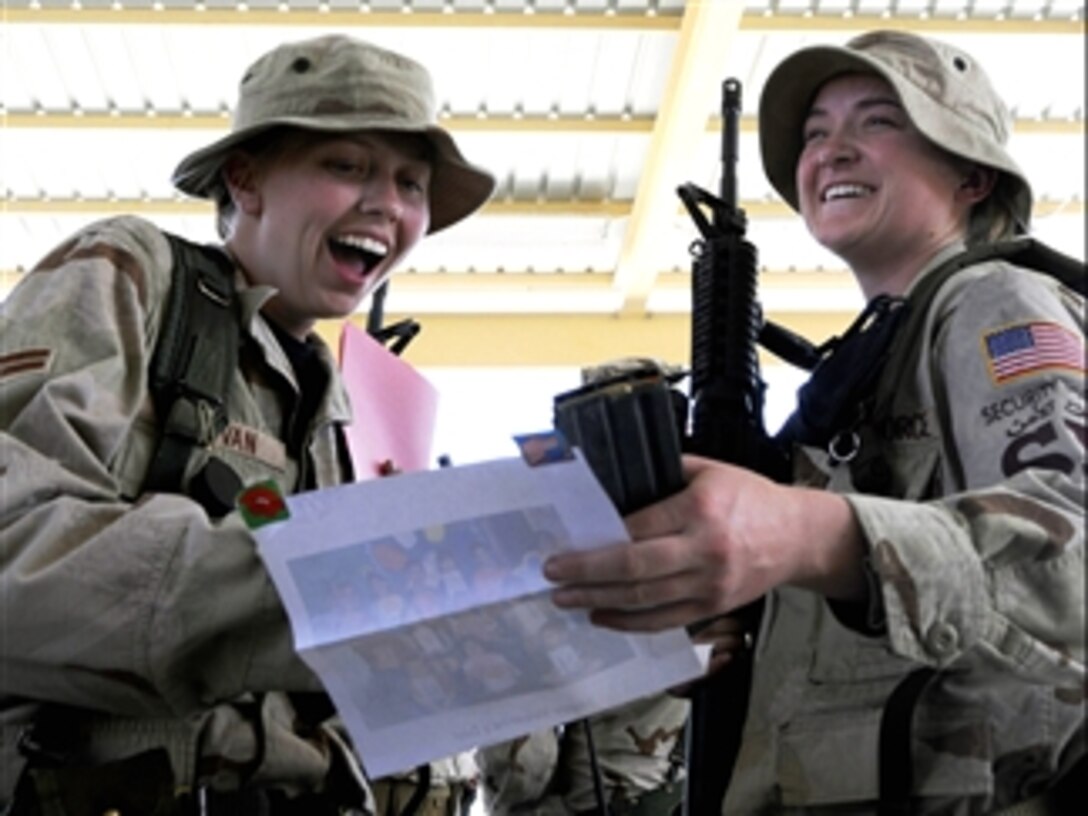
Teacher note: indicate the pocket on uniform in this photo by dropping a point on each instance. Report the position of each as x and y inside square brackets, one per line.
[833, 758]
[829, 759]
[842, 655]
[904, 469]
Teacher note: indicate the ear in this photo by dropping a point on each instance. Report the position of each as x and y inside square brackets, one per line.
[977, 184]
[241, 177]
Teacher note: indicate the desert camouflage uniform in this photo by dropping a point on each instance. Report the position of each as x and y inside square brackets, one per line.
[548, 773]
[150, 624]
[450, 792]
[983, 580]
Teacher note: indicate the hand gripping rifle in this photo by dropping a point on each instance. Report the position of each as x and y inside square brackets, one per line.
[631, 428]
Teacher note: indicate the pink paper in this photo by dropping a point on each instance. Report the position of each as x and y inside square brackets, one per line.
[394, 408]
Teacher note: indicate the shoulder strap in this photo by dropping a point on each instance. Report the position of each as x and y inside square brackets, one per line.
[1024, 252]
[194, 359]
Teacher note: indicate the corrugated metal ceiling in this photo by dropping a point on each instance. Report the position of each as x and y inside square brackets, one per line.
[589, 112]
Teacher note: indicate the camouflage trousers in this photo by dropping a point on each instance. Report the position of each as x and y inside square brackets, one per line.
[395, 797]
[662, 801]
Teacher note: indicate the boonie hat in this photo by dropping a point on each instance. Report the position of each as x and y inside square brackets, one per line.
[945, 92]
[339, 84]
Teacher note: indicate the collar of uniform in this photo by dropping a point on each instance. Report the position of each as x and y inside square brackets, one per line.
[950, 251]
[251, 299]
[335, 406]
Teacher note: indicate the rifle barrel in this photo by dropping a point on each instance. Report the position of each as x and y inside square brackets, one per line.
[731, 112]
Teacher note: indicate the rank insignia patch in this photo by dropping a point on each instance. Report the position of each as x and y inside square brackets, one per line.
[26, 361]
[1028, 348]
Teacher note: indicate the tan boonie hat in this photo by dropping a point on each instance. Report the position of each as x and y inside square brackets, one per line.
[944, 91]
[339, 84]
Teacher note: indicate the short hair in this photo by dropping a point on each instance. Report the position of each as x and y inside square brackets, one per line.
[264, 148]
[994, 218]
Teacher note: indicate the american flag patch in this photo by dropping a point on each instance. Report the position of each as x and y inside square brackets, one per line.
[1027, 348]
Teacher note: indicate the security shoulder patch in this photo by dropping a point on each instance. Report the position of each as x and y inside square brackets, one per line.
[1031, 347]
[25, 361]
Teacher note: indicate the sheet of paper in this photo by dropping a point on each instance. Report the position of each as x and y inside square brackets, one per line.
[419, 601]
[393, 407]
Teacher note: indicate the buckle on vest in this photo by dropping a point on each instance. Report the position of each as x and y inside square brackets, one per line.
[843, 447]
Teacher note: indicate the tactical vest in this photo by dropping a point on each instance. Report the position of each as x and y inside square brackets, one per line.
[195, 357]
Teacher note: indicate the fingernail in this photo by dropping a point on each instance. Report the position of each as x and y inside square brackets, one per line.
[562, 597]
[551, 571]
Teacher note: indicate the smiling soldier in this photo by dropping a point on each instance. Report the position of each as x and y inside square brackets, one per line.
[147, 663]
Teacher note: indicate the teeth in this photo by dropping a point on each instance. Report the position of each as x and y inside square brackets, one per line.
[845, 191]
[363, 244]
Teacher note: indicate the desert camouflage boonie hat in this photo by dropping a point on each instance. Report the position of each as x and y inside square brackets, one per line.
[945, 92]
[338, 84]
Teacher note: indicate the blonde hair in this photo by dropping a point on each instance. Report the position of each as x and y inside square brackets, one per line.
[994, 218]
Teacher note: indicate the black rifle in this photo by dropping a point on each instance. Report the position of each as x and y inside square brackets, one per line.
[727, 395]
[395, 336]
[632, 427]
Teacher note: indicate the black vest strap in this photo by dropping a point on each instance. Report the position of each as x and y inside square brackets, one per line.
[194, 360]
[896, 765]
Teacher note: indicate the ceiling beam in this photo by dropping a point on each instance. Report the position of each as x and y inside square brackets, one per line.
[557, 208]
[53, 205]
[411, 287]
[976, 22]
[364, 16]
[693, 85]
[477, 340]
[922, 22]
[611, 125]
[219, 121]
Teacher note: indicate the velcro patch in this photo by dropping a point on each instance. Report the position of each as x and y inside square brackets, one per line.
[262, 504]
[25, 362]
[544, 448]
[1029, 348]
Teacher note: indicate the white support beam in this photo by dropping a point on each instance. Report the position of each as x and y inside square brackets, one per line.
[1070, 23]
[482, 340]
[218, 122]
[698, 67]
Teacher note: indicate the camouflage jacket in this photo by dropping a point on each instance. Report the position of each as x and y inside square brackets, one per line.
[548, 773]
[134, 618]
[976, 566]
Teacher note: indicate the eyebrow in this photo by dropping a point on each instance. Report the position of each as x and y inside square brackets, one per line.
[414, 147]
[863, 104]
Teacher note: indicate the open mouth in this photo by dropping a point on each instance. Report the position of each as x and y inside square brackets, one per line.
[838, 192]
[360, 251]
